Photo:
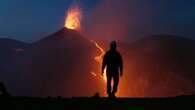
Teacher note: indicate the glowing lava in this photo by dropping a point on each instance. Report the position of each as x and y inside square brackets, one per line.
[73, 18]
[99, 58]
[73, 22]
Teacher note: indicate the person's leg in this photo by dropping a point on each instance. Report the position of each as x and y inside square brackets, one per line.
[116, 81]
[109, 78]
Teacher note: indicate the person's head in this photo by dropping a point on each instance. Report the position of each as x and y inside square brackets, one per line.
[113, 45]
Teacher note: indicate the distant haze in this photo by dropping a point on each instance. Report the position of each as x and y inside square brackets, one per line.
[130, 20]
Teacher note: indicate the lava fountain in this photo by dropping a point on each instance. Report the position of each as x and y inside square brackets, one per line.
[73, 22]
[73, 18]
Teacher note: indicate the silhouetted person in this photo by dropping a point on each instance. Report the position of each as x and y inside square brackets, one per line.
[114, 66]
[3, 91]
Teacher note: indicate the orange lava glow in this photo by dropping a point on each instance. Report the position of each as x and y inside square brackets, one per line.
[93, 73]
[73, 18]
[99, 58]
[73, 22]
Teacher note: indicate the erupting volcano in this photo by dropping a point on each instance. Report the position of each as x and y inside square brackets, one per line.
[73, 22]
[138, 80]
[73, 18]
[66, 63]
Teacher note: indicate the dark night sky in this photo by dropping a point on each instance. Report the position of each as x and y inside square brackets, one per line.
[30, 20]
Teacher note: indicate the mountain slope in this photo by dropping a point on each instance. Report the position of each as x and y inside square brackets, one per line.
[161, 66]
[59, 64]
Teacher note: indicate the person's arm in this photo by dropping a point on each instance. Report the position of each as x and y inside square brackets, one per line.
[121, 65]
[103, 64]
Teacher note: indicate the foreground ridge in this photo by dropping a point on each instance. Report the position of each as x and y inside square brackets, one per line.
[80, 103]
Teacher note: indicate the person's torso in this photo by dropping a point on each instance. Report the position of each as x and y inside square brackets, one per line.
[113, 61]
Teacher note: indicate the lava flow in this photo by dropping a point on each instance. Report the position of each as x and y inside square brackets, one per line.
[73, 22]
[99, 58]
